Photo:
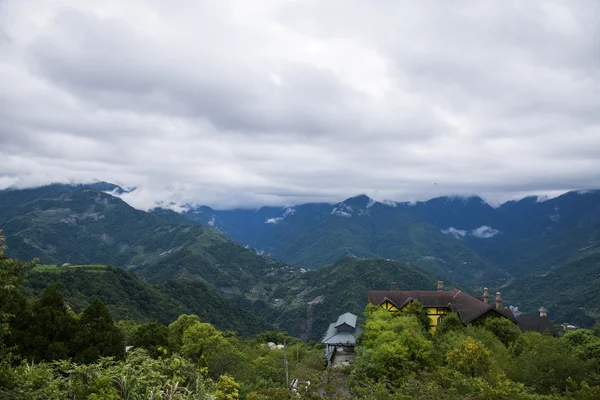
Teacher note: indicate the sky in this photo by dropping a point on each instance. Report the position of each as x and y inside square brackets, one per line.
[276, 102]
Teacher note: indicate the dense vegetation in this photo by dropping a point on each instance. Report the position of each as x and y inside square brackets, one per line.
[81, 225]
[338, 288]
[130, 298]
[570, 292]
[491, 360]
[316, 235]
[49, 352]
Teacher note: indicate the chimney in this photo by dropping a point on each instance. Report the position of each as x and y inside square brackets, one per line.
[543, 312]
[440, 286]
[486, 296]
[498, 301]
[393, 285]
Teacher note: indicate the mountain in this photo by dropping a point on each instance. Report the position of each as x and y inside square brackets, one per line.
[81, 225]
[314, 235]
[128, 297]
[309, 303]
[570, 292]
[462, 213]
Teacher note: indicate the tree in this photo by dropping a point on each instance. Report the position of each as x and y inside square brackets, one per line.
[504, 329]
[451, 322]
[596, 329]
[395, 347]
[177, 329]
[12, 274]
[98, 336]
[50, 328]
[227, 388]
[470, 358]
[544, 362]
[152, 337]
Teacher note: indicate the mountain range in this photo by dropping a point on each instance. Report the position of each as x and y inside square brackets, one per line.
[519, 238]
[296, 267]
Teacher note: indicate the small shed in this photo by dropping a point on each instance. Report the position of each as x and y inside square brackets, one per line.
[340, 338]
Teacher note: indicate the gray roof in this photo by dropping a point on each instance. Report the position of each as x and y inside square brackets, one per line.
[332, 336]
[348, 319]
[536, 324]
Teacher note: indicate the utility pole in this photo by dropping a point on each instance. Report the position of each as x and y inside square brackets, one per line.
[285, 364]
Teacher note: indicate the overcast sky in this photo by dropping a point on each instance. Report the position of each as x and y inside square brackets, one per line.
[252, 102]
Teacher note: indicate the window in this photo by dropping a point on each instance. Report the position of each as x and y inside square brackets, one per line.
[441, 311]
[440, 319]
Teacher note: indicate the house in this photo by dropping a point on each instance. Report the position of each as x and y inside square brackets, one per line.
[340, 339]
[539, 324]
[441, 302]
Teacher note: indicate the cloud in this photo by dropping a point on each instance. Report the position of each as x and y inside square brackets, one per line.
[457, 233]
[484, 232]
[240, 103]
[276, 220]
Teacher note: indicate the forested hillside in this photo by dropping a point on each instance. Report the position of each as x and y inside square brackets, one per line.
[314, 235]
[570, 292]
[130, 298]
[81, 225]
[316, 298]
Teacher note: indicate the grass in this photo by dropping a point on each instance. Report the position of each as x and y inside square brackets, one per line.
[51, 268]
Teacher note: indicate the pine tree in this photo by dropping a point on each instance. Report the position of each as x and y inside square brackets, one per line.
[98, 336]
[50, 328]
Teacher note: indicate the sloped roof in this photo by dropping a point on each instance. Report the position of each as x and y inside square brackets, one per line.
[332, 336]
[466, 306]
[348, 319]
[536, 324]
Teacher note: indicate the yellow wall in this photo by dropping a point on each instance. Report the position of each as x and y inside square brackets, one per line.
[432, 313]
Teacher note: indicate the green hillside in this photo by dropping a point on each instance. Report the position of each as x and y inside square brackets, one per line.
[387, 232]
[570, 292]
[80, 225]
[539, 254]
[338, 288]
[129, 298]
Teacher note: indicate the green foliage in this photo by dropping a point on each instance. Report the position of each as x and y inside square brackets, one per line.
[544, 362]
[84, 225]
[49, 330]
[342, 287]
[451, 322]
[227, 388]
[504, 329]
[130, 298]
[12, 275]
[489, 360]
[394, 347]
[596, 329]
[470, 358]
[178, 327]
[569, 291]
[383, 232]
[97, 335]
[152, 337]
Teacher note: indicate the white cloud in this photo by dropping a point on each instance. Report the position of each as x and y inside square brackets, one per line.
[342, 212]
[286, 212]
[457, 233]
[239, 103]
[484, 232]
